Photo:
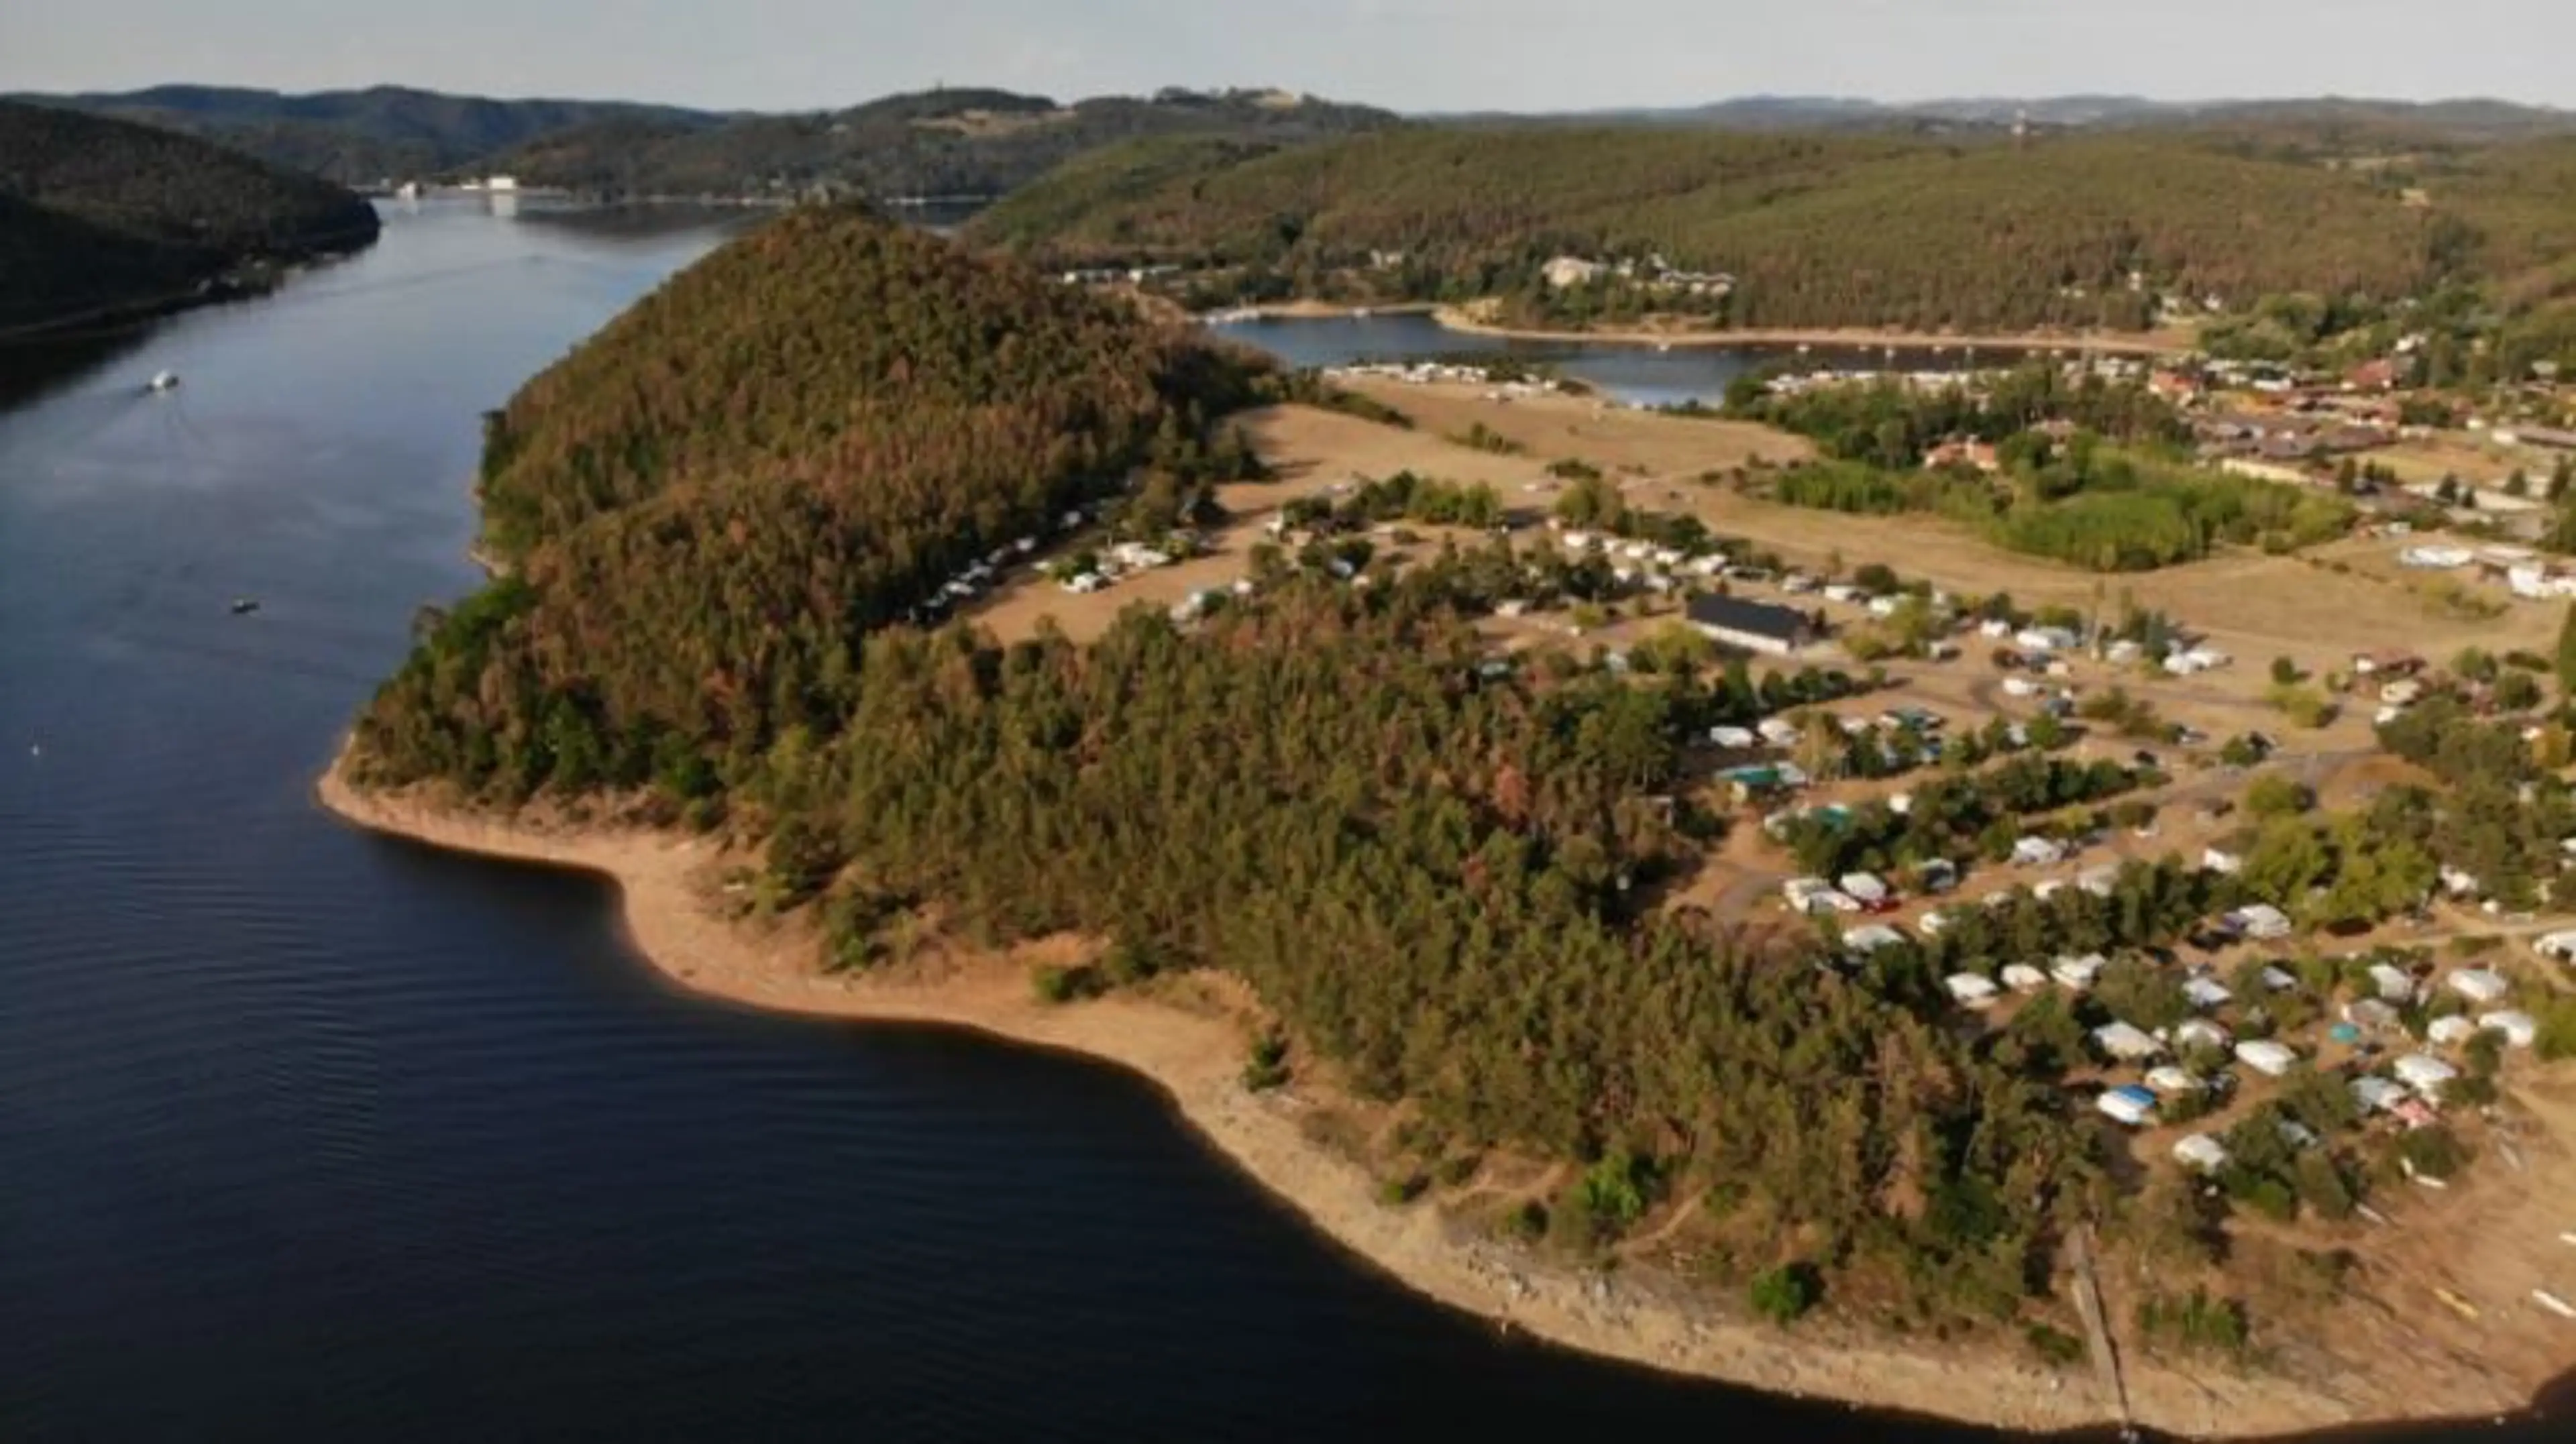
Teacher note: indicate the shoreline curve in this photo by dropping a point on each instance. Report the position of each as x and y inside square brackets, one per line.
[1192, 1050]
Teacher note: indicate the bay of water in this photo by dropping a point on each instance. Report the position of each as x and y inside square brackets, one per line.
[310, 1135]
[1639, 375]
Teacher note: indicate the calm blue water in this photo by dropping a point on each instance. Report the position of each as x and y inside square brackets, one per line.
[1640, 375]
[309, 1135]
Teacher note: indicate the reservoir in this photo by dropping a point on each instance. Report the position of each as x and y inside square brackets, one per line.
[310, 1135]
[1636, 374]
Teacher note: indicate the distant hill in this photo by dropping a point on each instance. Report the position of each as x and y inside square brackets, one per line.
[360, 137]
[2449, 121]
[2080, 228]
[979, 143]
[99, 214]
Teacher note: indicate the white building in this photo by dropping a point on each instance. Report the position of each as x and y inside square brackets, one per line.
[2127, 1043]
[2272, 1060]
[1970, 991]
[2517, 1026]
[2424, 1073]
[2202, 1152]
[2480, 986]
[2133, 1106]
[2037, 851]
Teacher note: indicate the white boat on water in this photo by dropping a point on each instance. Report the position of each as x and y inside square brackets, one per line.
[165, 381]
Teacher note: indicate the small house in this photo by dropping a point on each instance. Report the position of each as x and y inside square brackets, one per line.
[2079, 973]
[1937, 876]
[2023, 978]
[2126, 1043]
[2424, 1073]
[1970, 991]
[1869, 939]
[2171, 1080]
[2219, 860]
[2202, 1152]
[2100, 881]
[2558, 947]
[2130, 1104]
[1754, 626]
[2044, 639]
[2201, 1033]
[2036, 851]
[2394, 985]
[2370, 1013]
[2480, 986]
[2207, 993]
[2262, 922]
[2279, 980]
[2450, 1032]
[2272, 1060]
[1867, 889]
[2517, 1027]
[2377, 1095]
[1734, 738]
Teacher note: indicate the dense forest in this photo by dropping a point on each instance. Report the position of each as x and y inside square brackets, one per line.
[363, 137]
[805, 436]
[947, 143]
[1816, 229]
[100, 215]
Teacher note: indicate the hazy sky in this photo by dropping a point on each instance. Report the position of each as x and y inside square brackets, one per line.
[1409, 54]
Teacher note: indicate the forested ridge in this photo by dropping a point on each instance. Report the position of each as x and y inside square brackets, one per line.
[1817, 229]
[798, 439]
[99, 213]
[953, 143]
[361, 137]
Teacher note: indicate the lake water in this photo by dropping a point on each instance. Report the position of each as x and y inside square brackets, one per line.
[310, 1135]
[1641, 375]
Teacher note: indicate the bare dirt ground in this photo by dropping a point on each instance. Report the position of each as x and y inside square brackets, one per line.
[1311, 450]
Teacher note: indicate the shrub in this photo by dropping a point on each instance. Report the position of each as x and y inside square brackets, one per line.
[1268, 1066]
[1064, 985]
[2197, 1322]
[1785, 1294]
[2054, 1345]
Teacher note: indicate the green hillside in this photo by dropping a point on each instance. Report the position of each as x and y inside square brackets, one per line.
[977, 143]
[1817, 229]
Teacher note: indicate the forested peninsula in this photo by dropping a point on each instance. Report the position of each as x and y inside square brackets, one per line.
[1303, 850]
[101, 218]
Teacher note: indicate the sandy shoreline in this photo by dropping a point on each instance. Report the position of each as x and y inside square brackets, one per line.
[1193, 1047]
